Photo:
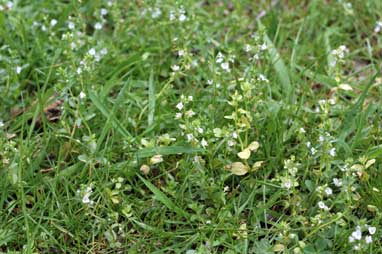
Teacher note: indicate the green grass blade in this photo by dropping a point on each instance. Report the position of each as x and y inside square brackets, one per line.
[167, 150]
[161, 197]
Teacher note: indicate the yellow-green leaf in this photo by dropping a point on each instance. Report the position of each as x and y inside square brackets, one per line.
[237, 168]
[245, 154]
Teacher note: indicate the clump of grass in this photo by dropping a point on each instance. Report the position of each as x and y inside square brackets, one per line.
[190, 127]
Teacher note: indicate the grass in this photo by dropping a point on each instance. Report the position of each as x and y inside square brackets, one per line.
[190, 127]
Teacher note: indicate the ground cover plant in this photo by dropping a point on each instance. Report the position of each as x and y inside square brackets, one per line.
[190, 126]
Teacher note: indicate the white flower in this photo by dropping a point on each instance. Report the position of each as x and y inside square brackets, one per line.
[82, 95]
[182, 17]
[1, 123]
[156, 13]
[308, 144]
[357, 234]
[175, 67]
[86, 197]
[79, 70]
[332, 152]
[204, 143]
[103, 12]
[263, 46]
[71, 25]
[189, 137]
[190, 113]
[247, 48]
[321, 139]
[219, 58]
[178, 115]
[351, 239]
[378, 27]
[302, 130]
[103, 51]
[53, 22]
[172, 16]
[328, 191]
[234, 135]
[337, 182]
[209, 82]
[313, 150]
[322, 205]
[179, 106]
[368, 239]
[190, 98]
[200, 130]
[98, 26]
[9, 5]
[372, 230]
[18, 69]
[287, 184]
[225, 66]
[92, 52]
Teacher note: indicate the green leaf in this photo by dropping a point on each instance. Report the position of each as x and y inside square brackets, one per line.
[161, 197]
[278, 64]
[101, 107]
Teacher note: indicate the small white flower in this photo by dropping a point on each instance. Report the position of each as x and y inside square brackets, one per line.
[178, 115]
[71, 25]
[172, 16]
[9, 5]
[372, 230]
[322, 205]
[103, 12]
[103, 51]
[182, 17]
[82, 95]
[190, 113]
[156, 13]
[247, 48]
[230, 143]
[79, 70]
[225, 66]
[287, 184]
[302, 130]
[200, 130]
[337, 182]
[190, 98]
[98, 26]
[53, 22]
[204, 143]
[321, 139]
[263, 46]
[328, 191]
[263, 78]
[1, 123]
[179, 106]
[181, 52]
[219, 58]
[189, 137]
[378, 27]
[92, 52]
[175, 67]
[18, 69]
[351, 239]
[368, 239]
[308, 144]
[234, 135]
[332, 152]
[313, 151]
[209, 82]
[357, 234]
